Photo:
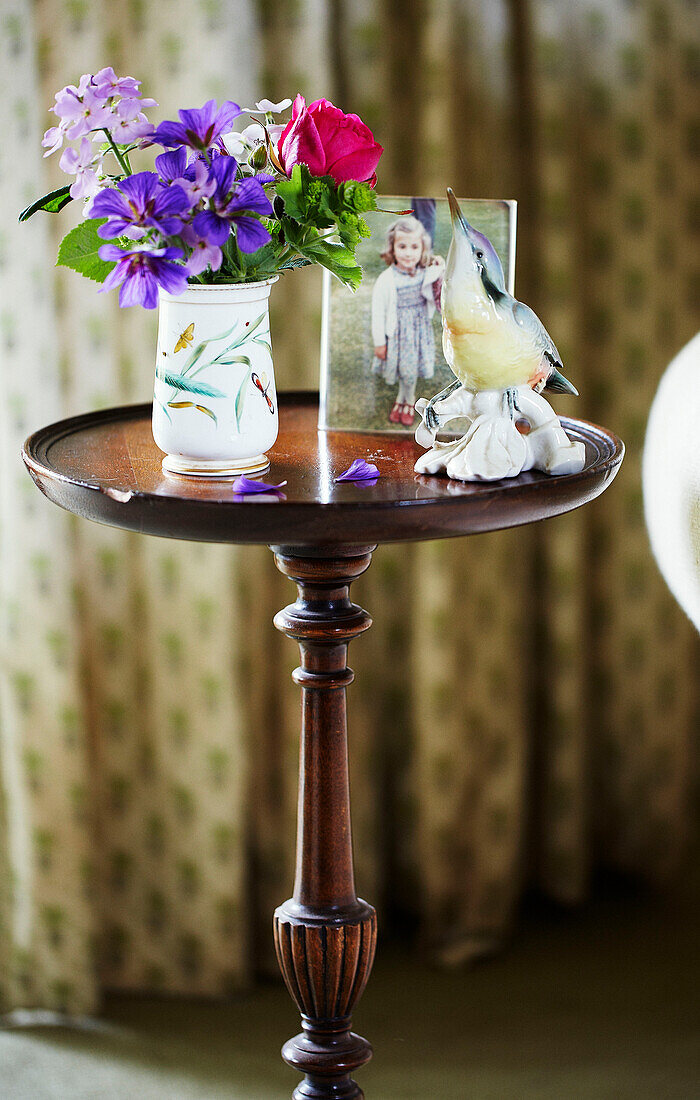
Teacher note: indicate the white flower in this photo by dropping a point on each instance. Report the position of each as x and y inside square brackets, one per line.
[236, 144]
[266, 106]
[241, 145]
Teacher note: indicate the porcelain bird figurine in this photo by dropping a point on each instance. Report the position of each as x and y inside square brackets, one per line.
[496, 344]
[490, 339]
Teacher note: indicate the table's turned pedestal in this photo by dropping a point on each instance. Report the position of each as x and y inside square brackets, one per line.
[106, 467]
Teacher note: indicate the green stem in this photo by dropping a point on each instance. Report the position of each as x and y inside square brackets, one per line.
[123, 162]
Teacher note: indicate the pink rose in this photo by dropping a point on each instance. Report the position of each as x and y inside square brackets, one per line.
[329, 142]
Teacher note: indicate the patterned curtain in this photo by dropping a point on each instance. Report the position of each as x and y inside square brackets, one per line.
[526, 702]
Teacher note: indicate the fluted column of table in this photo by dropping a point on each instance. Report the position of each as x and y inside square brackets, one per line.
[325, 935]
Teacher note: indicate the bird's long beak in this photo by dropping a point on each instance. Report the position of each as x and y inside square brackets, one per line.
[458, 219]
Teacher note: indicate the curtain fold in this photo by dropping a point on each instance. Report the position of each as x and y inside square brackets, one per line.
[525, 707]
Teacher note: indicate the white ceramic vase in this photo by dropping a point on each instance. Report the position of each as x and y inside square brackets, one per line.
[214, 402]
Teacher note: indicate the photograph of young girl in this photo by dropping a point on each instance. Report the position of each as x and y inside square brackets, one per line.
[381, 347]
[404, 300]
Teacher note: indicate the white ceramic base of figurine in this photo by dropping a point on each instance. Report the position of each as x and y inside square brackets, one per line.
[493, 448]
[189, 467]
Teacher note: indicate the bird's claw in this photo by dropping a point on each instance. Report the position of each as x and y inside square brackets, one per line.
[511, 397]
[430, 417]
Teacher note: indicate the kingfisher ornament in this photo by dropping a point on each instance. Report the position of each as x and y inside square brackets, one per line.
[502, 357]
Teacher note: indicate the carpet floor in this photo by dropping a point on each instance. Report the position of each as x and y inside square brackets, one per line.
[598, 1003]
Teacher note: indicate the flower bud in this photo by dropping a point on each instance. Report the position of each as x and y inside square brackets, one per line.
[258, 158]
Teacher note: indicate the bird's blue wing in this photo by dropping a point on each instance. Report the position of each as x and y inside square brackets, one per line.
[528, 320]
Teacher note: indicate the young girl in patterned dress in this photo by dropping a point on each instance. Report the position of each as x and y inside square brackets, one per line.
[404, 300]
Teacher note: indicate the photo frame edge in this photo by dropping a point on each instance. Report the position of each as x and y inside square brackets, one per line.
[325, 349]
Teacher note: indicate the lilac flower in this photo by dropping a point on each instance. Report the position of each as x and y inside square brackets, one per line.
[100, 102]
[53, 139]
[140, 203]
[128, 122]
[359, 470]
[107, 84]
[226, 206]
[204, 253]
[198, 128]
[83, 166]
[244, 486]
[80, 110]
[139, 273]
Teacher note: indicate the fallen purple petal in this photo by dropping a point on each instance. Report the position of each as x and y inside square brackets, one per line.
[359, 470]
[243, 486]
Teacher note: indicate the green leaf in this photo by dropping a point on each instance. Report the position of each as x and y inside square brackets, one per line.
[297, 261]
[292, 192]
[182, 383]
[199, 349]
[337, 259]
[170, 419]
[225, 360]
[52, 203]
[240, 398]
[307, 198]
[359, 197]
[293, 232]
[78, 250]
[262, 263]
[255, 325]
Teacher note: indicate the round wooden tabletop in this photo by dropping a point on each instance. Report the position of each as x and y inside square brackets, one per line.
[105, 466]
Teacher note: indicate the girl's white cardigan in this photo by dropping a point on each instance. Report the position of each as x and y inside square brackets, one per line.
[384, 318]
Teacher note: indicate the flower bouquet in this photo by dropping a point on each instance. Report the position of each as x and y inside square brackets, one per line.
[205, 234]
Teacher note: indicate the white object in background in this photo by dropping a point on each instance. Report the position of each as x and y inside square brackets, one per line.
[215, 405]
[671, 478]
[492, 447]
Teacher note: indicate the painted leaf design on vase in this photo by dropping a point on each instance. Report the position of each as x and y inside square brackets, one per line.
[231, 355]
[191, 405]
[180, 382]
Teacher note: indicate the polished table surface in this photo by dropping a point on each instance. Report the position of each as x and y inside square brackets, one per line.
[106, 467]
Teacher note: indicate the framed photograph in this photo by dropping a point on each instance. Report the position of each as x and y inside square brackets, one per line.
[381, 347]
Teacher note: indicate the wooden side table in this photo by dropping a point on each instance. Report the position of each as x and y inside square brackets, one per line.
[106, 467]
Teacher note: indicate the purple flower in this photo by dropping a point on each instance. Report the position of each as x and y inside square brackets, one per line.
[139, 274]
[359, 470]
[204, 254]
[199, 183]
[107, 84]
[226, 204]
[198, 128]
[100, 102]
[243, 486]
[128, 122]
[172, 165]
[83, 166]
[140, 203]
[80, 110]
[53, 139]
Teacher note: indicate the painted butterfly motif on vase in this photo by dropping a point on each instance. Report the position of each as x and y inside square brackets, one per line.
[185, 338]
[263, 385]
